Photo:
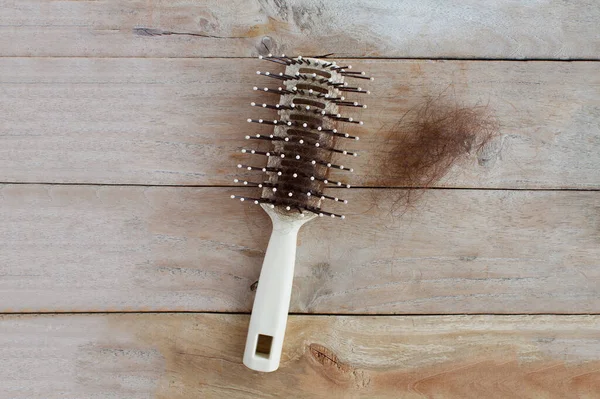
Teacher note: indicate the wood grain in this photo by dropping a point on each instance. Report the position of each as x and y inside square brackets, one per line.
[504, 29]
[199, 355]
[182, 121]
[106, 248]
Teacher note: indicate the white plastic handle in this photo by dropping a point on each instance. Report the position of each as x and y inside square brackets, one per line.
[272, 301]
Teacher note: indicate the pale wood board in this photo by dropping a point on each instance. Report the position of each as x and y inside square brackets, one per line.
[182, 121]
[106, 248]
[504, 29]
[199, 356]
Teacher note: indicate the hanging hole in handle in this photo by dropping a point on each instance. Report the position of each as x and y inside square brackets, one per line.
[263, 345]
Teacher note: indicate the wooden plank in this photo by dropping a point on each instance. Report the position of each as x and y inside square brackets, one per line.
[106, 248]
[199, 355]
[182, 121]
[551, 29]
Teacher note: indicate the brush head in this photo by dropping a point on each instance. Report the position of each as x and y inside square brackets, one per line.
[304, 143]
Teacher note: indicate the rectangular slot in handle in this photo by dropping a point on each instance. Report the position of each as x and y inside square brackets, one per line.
[263, 345]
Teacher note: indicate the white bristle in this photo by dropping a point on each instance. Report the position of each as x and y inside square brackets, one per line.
[255, 88]
[256, 202]
[295, 175]
[317, 144]
[242, 199]
[243, 151]
[264, 105]
[232, 197]
[247, 137]
[345, 201]
[272, 206]
[308, 194]
[274, 189]
[332, 215]
[301, 141]
[288, 208]
[260, 57]
[253, 104]
[240, 165]
[320, 215]
[343, 217]
[325, 181]
[235, 180]
[258, 72]
[290, 194]
[297, 156]
[249, 120]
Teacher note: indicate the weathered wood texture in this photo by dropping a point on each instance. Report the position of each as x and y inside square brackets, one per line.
[181, 122]
[551, 29]
[191, 356]
[105, 248]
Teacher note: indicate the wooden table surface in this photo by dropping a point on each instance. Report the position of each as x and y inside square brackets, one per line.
[125, 272]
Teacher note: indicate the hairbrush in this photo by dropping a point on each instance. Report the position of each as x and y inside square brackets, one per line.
[302, 147]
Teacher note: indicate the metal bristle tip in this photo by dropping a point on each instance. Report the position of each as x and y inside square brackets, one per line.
[302, 140]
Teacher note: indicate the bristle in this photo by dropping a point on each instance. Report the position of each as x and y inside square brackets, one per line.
[304, 136]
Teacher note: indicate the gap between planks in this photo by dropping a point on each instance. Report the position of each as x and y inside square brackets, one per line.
[351, 188]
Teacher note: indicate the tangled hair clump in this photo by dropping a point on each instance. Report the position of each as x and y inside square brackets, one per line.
[428, 141]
